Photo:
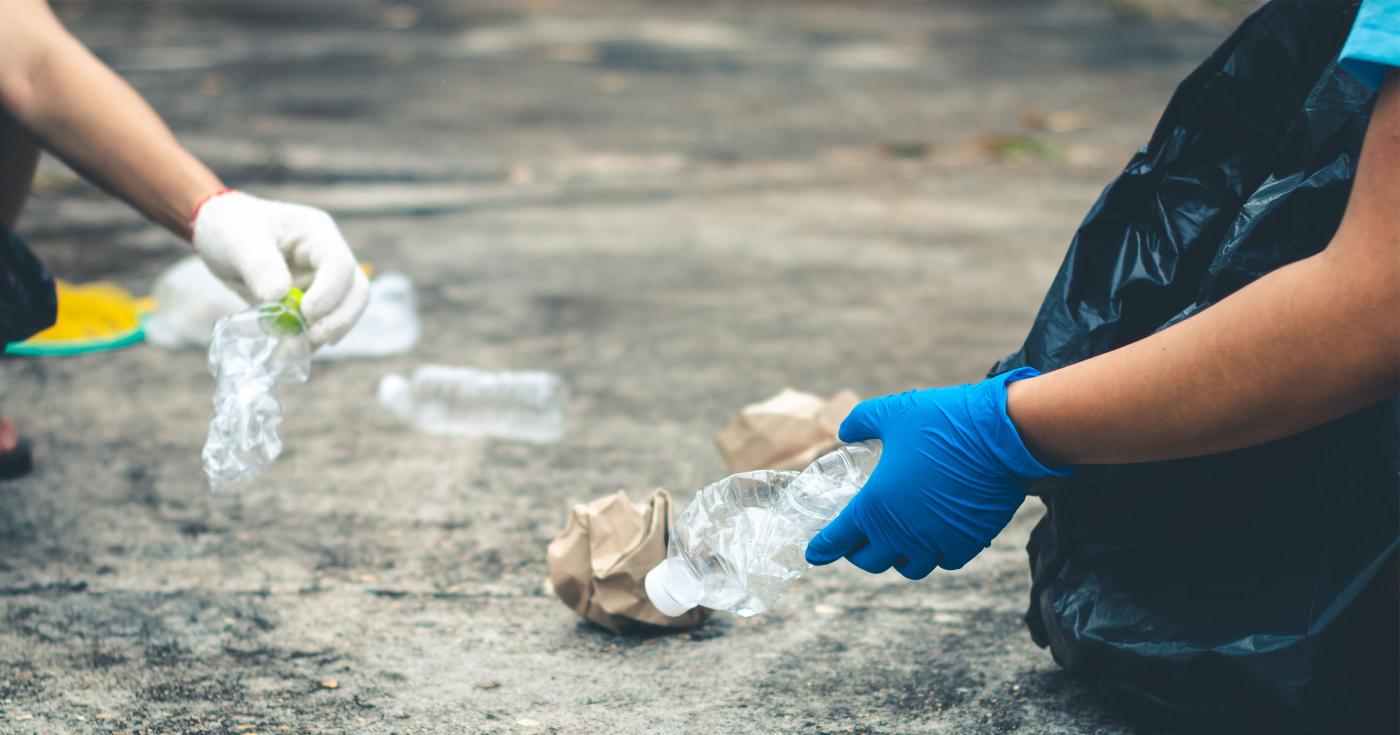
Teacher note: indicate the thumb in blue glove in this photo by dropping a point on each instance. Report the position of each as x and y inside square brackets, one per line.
[952, 473]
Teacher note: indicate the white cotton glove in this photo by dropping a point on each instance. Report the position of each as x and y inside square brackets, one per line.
[263, 248]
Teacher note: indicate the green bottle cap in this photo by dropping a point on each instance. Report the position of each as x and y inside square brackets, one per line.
[290, 321]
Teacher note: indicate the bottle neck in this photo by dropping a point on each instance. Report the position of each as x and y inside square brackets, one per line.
[673, 588]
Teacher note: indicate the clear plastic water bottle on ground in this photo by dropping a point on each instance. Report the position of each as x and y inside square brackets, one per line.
[742, 542]
[460, 401]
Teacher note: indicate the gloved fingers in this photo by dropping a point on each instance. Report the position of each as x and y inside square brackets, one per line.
[916, 568]
[324, 251]
[331, 327]
[956, 560]
[866, 421]
[329, 288]
[302, 278]
[840, 537]
[232, 279]
[861, 423]
[262, 270]
[873, 558]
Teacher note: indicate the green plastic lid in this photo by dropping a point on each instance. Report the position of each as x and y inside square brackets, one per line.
[290, 320]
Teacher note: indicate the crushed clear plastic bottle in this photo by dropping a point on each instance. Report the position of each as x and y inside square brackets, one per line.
[251, 352]
[742, 542]
[460, 401]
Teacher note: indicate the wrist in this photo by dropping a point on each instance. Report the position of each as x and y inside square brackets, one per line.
[199, 206]
[1023, 402]
[171, 191]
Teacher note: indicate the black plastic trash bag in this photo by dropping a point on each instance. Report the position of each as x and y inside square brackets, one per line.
[1256, 589]
[28, 302]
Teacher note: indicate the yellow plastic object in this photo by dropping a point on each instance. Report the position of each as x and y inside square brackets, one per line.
[91, 317]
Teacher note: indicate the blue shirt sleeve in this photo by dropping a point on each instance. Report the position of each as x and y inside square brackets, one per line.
[1373, 48]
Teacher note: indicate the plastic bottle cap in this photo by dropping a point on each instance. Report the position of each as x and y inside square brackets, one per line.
[292, 321]
[673, 588]
[396, 394]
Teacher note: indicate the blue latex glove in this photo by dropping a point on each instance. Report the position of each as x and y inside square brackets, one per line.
[951, 475]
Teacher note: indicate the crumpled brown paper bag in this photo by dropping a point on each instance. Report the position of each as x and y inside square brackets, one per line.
[598, 563]
[785, 432]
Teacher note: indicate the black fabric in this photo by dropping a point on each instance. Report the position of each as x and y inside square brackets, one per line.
[1254, 589]
[28, 302]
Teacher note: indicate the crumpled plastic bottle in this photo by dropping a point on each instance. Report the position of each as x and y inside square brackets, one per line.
[741, 542]
[250, 353]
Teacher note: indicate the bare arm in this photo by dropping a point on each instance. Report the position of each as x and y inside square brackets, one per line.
[1305, 344]
[77, 107]
[55, 89]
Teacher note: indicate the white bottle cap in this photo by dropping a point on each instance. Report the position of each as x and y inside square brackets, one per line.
[396, 394]
[673, 588]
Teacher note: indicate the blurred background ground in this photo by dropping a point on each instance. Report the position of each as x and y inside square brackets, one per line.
[681, 208]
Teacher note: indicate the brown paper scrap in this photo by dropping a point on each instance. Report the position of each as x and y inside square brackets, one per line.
[598, 564]
[785, 432]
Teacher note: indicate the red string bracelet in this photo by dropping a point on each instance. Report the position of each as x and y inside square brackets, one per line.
[204, 201]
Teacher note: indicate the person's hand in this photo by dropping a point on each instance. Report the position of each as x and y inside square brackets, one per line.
[263, 248]
[951, 475]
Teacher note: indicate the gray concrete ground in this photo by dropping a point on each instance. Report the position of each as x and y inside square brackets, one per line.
[682, 208]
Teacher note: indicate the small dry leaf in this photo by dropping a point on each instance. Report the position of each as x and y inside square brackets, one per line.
[827, 610]
[527, 722]
[104, 716]
[612, 83]
[486, 684]
[1059, 121]
[399, 17]
[578, 53]
[1032, 118]
[330, 684]
[212, 84]
[1068, 121]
